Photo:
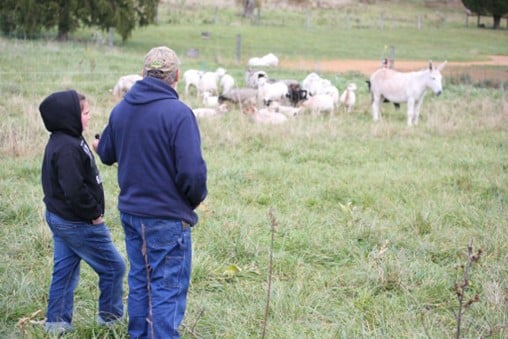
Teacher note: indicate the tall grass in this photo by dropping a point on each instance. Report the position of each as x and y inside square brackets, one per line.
[372, 218]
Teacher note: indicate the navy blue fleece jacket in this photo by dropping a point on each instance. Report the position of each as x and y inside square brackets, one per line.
[155, 139]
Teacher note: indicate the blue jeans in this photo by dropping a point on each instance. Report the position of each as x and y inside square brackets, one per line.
[75, 241]
[158, 278]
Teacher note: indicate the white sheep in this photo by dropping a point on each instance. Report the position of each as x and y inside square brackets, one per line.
[265, 116]
[208, 112]
[289, 111]
[267, 60]
[124, 84]
[270, 60]
[191, 78]
[268, 92]
[332, 91]
[348, 97]
[314, 84]
[227, 82]
[319, 103]
[209, 81]
[252, 77]
[210, 100]
[308, 82]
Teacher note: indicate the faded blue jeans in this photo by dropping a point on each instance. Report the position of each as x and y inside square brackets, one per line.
[75, 241]
[158, 278]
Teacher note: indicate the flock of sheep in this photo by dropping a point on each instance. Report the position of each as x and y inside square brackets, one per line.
[266, 100]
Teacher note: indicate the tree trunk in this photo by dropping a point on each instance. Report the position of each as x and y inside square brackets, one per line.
[64, 23]
[497, 21]
[249, 8]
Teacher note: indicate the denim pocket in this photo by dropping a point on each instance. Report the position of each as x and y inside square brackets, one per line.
[173, 267]
[163, 234]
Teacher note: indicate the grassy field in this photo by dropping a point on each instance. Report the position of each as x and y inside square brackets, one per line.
[367, 224]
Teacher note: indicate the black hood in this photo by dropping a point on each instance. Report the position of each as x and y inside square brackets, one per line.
[61, 112]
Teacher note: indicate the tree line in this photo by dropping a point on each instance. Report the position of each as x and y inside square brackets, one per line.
[28, 18]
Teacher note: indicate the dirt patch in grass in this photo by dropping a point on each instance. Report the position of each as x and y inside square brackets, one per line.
[495, 69]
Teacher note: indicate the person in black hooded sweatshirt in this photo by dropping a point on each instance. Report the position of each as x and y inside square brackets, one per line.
[74, 200]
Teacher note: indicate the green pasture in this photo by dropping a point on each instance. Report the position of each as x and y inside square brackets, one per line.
[354, 229]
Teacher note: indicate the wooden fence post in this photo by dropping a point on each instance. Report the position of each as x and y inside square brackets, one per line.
[392, 56]
[238, 47]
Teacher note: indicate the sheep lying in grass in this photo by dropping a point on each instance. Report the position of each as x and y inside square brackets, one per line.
[210, 100]
[265, 115]
[240, 96]
[124, 84]
[267, 60]
[289, 111]
[208, 112]
[348, 97]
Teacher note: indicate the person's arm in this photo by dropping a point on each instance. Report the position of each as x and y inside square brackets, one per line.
[191, 174]
[104, 146]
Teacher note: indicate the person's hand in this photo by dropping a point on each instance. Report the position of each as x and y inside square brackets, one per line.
[95, 142]
[98, 220]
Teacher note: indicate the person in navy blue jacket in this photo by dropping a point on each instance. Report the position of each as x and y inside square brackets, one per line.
[155, 140]
[74, 199]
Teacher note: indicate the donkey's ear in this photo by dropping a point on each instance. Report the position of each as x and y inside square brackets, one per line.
[441, 66]
[430, 65]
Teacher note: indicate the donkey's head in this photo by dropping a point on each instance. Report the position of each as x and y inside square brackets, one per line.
[434, 80]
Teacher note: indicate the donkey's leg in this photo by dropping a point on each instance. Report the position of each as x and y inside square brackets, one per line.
[417, 110]
[376, 100]
[410, 111]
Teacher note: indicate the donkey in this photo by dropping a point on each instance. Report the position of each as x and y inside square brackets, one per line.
[408, 87]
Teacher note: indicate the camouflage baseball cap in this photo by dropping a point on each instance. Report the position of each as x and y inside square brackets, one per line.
[161, 59]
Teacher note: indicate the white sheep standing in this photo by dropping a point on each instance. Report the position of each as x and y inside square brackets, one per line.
[348, 97]
[314, 84]
[268, 92]
[332, 91]
[310, 81]
[124, 84]
[319, 103]
[227, 82]
[191, 78]
[209, 81]
[252, 77]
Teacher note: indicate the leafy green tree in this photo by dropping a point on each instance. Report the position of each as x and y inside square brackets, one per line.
[496, 8]
[29, 17]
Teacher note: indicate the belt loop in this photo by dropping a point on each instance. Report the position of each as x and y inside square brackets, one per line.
[185, 225]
